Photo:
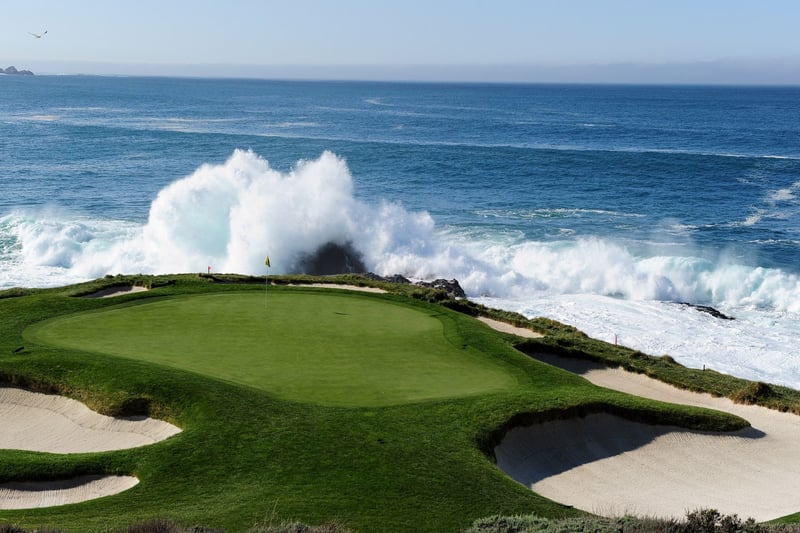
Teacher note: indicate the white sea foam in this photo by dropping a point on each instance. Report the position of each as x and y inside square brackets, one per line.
[753, 219]
[40, 118]
[757, 345]
[230, 216]
[785, 194]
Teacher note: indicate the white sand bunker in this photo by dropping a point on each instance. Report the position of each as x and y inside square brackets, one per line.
[110, 292]
[47, 423]
[611, 466]
[357, 288]
[55, 424]
[508, 328]
[29, 495]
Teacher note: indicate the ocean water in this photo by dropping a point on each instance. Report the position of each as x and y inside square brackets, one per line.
[599, 206]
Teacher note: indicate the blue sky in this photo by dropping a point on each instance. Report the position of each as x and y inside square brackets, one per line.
[699, 41]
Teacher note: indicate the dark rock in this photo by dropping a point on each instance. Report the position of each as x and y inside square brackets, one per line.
[373, 276]
[709, 310]
[395, 278]
[451, 287]
[331, 258]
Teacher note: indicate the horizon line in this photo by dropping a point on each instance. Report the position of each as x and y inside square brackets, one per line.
[715, 72]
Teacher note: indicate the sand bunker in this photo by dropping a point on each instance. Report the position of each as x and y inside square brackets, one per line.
[55, 424]
[110, 292]
[611, 466]
[339, 286]
[508, 328]
[28, 495]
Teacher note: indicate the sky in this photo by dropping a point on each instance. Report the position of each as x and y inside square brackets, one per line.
[638, 41]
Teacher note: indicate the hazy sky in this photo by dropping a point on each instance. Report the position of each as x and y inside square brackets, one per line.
[706, 41]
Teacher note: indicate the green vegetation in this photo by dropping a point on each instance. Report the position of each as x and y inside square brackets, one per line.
[298, 344]
[700, 521]
[272, 433]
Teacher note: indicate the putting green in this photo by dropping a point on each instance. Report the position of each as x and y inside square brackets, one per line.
[301, 345]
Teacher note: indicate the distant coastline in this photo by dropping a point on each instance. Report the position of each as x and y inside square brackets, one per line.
[12, 70]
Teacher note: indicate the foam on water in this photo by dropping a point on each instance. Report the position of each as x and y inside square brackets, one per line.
[757, 345]
[229, 216]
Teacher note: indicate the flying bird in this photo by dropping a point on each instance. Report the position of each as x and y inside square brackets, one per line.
[38, 35]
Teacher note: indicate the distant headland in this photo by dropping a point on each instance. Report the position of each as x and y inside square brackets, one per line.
[13, 70]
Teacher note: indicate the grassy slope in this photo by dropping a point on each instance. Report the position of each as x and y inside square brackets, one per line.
[246, 457]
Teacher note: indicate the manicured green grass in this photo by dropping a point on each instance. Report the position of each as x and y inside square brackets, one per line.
[275, 448]
[299, 344]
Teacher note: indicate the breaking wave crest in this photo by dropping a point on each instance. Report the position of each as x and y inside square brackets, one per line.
[230, 216]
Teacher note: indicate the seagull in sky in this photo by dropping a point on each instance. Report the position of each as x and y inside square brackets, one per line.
[38, 35]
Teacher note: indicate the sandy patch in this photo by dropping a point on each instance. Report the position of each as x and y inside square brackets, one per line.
[610, 466]
[338, 286]
[28, 495]
[55, 424]
[508, 328]
[110, 292]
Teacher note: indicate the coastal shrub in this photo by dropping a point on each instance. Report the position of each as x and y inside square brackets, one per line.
[297, 527]
[699, 521]
[163, 525]
[535, 524]
[753, 392]
[16, 292]
[712, 521]
[548, 326]
[8, 528]
[508, 524]
[155, 525]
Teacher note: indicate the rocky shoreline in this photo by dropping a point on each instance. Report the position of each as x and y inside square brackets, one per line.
[450, 286]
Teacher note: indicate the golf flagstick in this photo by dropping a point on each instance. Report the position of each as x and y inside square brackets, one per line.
[266, 281]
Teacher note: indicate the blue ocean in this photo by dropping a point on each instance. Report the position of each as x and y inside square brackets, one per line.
[599, 206]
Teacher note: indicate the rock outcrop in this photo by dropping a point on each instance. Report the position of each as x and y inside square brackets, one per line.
[450, 286]
[716, 313]
[12, 70]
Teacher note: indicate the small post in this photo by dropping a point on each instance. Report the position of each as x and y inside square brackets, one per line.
[266, 281]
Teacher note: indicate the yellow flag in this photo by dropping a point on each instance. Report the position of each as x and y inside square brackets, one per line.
[266, 261]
